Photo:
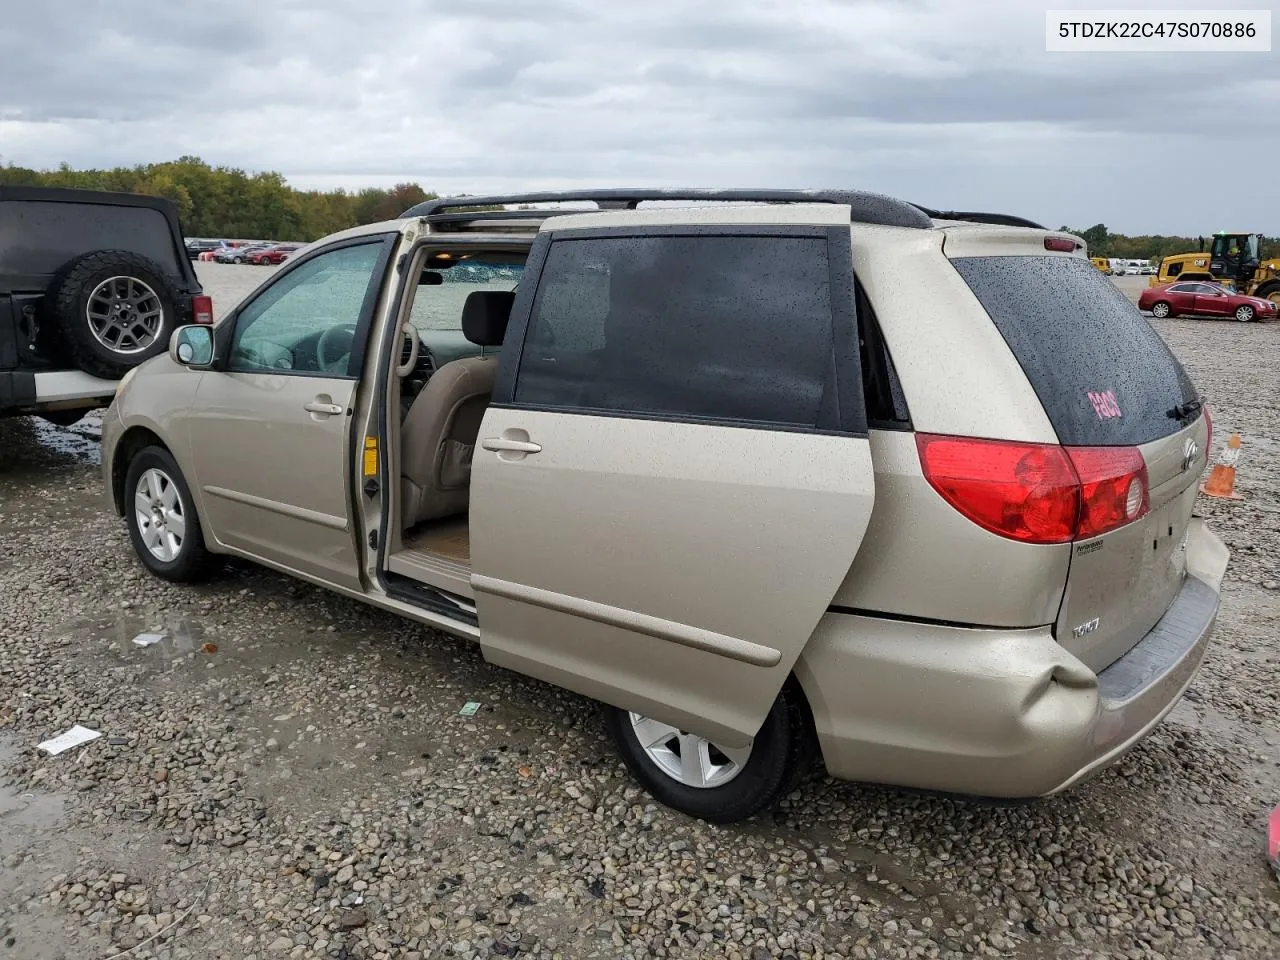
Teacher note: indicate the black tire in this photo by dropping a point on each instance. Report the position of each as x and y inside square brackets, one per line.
[192, 561]
[69, 298]
[237, 259]
[1269, 291]
[780, 751]
[1168, 310]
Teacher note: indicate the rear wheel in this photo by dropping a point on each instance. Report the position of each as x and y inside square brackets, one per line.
[114, 309]
[1161, 310]
[163, 524]
[714, 782]
[1244, 313]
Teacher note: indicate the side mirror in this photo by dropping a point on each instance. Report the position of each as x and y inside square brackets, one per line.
[192, 346]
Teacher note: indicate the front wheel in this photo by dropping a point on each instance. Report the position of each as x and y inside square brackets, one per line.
[718, 783]
[163, 525]
[1161, 310]
[1244, 313]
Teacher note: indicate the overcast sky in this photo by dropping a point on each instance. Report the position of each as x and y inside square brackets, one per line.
[950, 104]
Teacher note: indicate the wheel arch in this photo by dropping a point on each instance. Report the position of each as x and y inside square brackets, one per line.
[130, 442]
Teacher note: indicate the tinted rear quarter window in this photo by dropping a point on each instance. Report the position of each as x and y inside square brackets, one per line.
[1102, 373]
[735, 328]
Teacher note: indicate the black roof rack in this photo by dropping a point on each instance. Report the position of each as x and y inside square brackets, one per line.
[866, 207]
[1000, 219]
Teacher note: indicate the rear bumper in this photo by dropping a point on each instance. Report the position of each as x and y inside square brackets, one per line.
[30, 391]
[998, 713]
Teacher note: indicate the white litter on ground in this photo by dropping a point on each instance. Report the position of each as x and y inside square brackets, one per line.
[65, 741]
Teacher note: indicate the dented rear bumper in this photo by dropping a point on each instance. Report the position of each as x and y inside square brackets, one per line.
[993, 712]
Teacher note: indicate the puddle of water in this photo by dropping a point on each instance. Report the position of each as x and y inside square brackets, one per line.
[20, 812]
[80, 440]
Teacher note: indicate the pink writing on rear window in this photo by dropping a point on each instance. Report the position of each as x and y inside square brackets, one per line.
[1104, 404]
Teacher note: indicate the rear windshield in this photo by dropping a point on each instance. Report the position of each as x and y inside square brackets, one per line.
[1102, 373]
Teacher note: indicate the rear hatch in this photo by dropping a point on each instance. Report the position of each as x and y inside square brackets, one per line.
[1105, 380]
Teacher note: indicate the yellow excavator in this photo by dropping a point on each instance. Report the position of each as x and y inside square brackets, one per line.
[1232, 260]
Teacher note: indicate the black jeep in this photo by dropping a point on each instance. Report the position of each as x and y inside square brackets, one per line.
[91, 285]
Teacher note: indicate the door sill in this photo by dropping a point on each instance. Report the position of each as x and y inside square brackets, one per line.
[407, 590]
[433, 570]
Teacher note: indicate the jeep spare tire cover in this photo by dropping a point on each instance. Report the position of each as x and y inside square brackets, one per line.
[113, 309]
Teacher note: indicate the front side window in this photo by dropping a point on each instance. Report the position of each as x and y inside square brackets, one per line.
[735, 328]
[306, 322]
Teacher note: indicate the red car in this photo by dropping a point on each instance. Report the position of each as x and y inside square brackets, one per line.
[1205, 299]
[277, 254]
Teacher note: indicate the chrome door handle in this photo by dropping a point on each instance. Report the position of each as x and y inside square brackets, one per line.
[502, 443]
[320, 406]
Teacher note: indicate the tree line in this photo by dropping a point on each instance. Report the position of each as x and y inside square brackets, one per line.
[227, 202]
[1103, 243]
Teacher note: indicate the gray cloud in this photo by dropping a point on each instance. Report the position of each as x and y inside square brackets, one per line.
[950, 104]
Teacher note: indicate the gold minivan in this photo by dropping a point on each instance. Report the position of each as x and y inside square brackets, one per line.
[760, 471]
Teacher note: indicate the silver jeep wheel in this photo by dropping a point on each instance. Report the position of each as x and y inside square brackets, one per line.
[124, 314]
[685, 757]
[159, 514]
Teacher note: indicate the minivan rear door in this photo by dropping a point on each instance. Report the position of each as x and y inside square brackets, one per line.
[1105, 379]
[674, 476]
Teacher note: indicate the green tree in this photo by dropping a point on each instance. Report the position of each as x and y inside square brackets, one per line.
[228, 202]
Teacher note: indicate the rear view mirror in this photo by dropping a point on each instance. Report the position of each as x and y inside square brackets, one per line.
[430, 278]
[192, 346]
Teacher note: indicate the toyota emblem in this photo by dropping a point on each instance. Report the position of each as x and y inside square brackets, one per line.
[1189, 454]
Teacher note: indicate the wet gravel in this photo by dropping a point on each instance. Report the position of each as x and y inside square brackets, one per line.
[286, 774]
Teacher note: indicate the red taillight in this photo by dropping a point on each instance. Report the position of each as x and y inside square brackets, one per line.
[1113, 488]
[202, 309]
[1023, 491]
[1062, 244]
[1033, 492]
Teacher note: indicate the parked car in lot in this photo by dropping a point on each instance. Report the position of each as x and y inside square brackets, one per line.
[1200, 298]
[196, 246]
[239, 254]
[91, 285]
[827, 469]
[278, 253]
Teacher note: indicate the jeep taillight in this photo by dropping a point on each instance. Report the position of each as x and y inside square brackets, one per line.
[1037, 492]
[202, 309]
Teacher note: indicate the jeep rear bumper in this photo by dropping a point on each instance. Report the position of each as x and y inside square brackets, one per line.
[31, 391]
[998, 713]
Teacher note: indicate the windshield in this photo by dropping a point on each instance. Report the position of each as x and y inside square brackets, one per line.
[438, 305]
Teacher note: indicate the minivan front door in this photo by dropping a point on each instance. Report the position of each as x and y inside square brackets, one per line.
[674, 476]
[270, 431]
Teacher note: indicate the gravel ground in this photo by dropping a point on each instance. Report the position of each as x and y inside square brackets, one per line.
[286, 774]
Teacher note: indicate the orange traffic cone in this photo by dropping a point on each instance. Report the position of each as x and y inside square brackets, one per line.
[1222, 479]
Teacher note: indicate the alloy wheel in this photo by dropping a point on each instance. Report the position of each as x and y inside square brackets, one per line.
[687, 758]
[125, 315]
[158, 511]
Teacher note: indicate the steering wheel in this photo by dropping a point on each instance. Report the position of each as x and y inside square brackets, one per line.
[331, 352]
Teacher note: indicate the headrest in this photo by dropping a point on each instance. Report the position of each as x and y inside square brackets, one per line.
[485, 314]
